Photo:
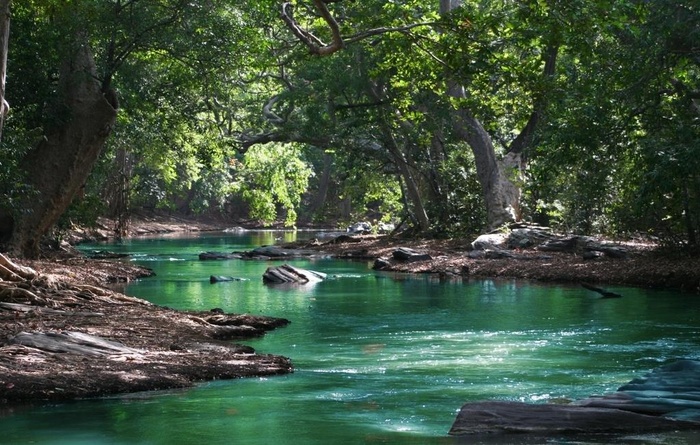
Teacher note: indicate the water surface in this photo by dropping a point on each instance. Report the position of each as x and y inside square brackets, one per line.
[378, 357]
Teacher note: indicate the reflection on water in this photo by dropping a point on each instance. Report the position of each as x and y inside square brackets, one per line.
[377, 358]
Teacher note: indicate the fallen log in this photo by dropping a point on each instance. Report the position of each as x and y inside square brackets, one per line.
[71, 342]
[25, 308]
[603, 292]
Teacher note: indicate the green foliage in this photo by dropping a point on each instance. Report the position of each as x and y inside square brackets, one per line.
[460, 210]
[272, 177]
[620, 148]
[615, 152]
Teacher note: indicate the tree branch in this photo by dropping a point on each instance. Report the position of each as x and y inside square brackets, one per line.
[316, 45]
[247, 140]
[524, 138]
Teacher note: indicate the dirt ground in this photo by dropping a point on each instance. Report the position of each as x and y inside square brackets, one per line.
[645, 265]
[155, 347]
[66, 334]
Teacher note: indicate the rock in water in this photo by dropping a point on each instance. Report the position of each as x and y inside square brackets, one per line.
[290, 274]
[663, 400]
[500, 417]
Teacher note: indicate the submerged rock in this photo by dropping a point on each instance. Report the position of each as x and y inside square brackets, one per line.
[222, 279]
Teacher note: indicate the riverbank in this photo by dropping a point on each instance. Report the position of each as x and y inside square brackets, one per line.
[122, 344]
[66, 335]
[645, 264]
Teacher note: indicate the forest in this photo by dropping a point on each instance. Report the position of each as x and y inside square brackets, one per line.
[448, 118]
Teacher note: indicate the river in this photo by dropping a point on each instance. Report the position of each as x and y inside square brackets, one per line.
[379, 358]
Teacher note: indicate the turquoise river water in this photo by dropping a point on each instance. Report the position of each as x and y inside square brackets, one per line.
[379, 358]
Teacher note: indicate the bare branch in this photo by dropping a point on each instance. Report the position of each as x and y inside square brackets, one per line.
[338, 43]
[306, 37]
[317, 46]
[377, 31]
[270, 115]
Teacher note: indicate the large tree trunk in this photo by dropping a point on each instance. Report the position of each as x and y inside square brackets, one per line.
[60, 164]
[501, 195]
[4, 45]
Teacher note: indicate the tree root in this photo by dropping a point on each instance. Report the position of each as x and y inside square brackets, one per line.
[11, 271]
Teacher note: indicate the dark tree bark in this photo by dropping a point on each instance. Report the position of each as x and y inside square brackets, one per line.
[319, 198]
[59, 165]
[501, 195]
[4, 46]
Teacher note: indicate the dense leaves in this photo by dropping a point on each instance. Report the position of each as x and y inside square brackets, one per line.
[223, 105]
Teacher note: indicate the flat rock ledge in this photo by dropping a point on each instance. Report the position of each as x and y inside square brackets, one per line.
[667, 399]
[497, 417]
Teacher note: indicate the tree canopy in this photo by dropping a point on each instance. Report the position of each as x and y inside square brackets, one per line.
[452, 116]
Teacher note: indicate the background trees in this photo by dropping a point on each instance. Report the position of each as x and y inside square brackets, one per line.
[454, 116]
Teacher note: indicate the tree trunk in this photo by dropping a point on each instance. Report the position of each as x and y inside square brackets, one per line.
[319, 198]
[417, 208]
[4, 45]
[501, 196]
[60, 164]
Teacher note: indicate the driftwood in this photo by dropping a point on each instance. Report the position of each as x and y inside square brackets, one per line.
[603, 292]
[221, 279]
[71, 342]
[11, 271]
[26, 308]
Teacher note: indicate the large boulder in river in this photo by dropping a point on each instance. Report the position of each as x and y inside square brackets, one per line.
[290, 274]
[500, 417]
[672, 390]
[666, 399]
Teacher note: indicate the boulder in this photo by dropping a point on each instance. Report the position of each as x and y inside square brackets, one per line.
[290, 274]
[489, 241]
[567, 244]
[672, 390]
[611, 251]
[666, 399]
[206, 256]
[525, 237]
[363, 227]
[405, 254]
[498, 417]
[381, 264]
[491, 254]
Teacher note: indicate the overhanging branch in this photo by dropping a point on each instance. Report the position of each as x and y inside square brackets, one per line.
[317, 46]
